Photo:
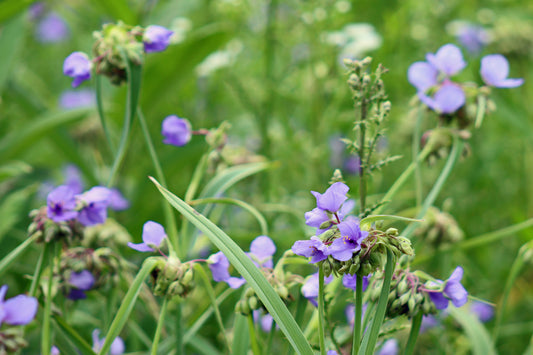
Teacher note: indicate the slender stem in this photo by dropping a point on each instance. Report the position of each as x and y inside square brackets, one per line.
[402, 179]
[361, 152]
[160, 324]
[416, 151]
[46, 341]
[321, 319]
[270, 338]
[371, 337]
[358, 314]
[253, 336]
[101, 114]
[13, 255]
[430, 199]
[38, 270]
[179, 330]
[167, 209]
[413, 334]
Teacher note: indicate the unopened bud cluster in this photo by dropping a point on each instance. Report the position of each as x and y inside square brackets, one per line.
[46, 230]
[439, 228]
[406, 295]
[11, 341]
[172, 278]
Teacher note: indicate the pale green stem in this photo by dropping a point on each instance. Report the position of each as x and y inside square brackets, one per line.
[413, 334]
[160, 324]
[167, 209]
[179, 330]
[253, 336]
[356, 343]
[46, 335]
[321, 320]
[416, 151]
[101, 114]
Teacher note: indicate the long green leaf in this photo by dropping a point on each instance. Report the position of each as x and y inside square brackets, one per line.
[475, 331]
[246, 268]
[69, 333]
[381, 217]
[11, 257]
[241, 336]
[11, 208]
[11, 40]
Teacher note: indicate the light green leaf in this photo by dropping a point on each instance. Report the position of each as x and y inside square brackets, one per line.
[475, 331]
[381, 217]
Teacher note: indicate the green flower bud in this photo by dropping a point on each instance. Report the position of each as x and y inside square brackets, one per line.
[402, 286]
[253, 303]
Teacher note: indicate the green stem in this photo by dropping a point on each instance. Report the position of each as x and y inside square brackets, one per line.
[416, 151]
[402, 179]
[134, 86]
[457, 149]
[358, 314]
[101, 114]
[413, 334]
[321, 319]
[361, 152]
[253, 336]
[513, 274]
[38, 270]
[179, 330]
[160, 324]
[167, 209]
[128, 304]
[46, 335]
[371, 336]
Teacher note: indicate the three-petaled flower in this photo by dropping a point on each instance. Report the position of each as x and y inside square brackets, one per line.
[78, 66]
[177, 131]
[349, 242]
[18, 310]
[156, 38]
[451, 289]
[153, 236]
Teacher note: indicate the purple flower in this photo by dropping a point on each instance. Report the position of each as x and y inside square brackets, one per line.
[71, 99]
[448, 98]
[310, 287]
[448, 60]
[80, 282]
[262, 250]
[61, 204]
[313, 248]
[52, 28]
[156, 38]
[73, 178]
[422, 75]
[428, 321]
[153, 236]
[350, 281]
[19, 310]
[54, 350]
[343, 248]
[117, 346]
[177, 131]
[78, 66]
[472, 37]
[389, 347]
[352, 165]
[218, 264]
[332, 352]
[452, 290]
[350, 313]
[265, 320]
[482, 310]
[95, 202]
[495, 70]
[117, 202]
[36, 10]
[332, 200]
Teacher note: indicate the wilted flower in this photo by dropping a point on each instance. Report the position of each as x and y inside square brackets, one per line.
[52, 28]
[117, 346]
[95, 202]
[18, 310]
[76, 99]
[495, 70]
[177, 131]
[153, 236]
[61, 204]
[156, 38]
[78, 66]
[452, 290]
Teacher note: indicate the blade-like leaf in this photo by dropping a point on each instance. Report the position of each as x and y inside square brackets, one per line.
[68, 332]
[475, 331]
[381, 217]
[246, 268]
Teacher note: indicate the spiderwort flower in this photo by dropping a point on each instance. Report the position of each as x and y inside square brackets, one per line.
[332, 200]
[265, 319]
[177, 131]
[117, 346]
[343, 248]
[482, 310]
[472, 37]
[447, 60]
[80, 282]
[117, 201]
[156, 38]
[313, 248]
[18, 310]
[389, 347]
[95, 202]
[78, 66]
[495, 70]
[52, 28]
[153, 236]
[452, 290]
[54, 350]
[71, 99]
[61, 204]
[448, 98]
[350, 281]
[310, 287]
[218, 264]
[262, 249]
[73, 178]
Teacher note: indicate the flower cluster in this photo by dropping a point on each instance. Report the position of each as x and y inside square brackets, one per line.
[115, 45]
[433, 78]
